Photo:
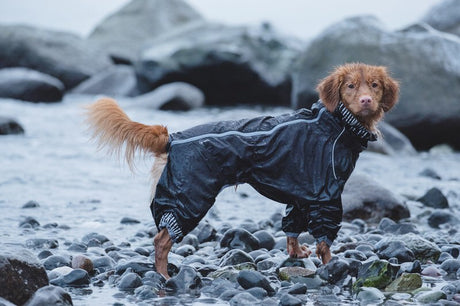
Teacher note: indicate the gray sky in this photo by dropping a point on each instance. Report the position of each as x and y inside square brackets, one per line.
[301, 18]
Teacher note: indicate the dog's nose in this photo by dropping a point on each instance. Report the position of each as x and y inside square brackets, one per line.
[365, 100]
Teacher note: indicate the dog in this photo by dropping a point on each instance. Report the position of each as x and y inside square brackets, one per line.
[302, 159]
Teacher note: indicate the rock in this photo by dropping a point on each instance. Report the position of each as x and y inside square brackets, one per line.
[251, 279]
[258, 292]
[21, 274]
[29, 221]
[444, 17]
[295, 274]
[185, 250]
[355, 254]
[430, 173]
[434, 198]
[391, 142]
[129, 281]
[205, 232]
[405, 283]
[172, 96]
[365, 199]
[127, 31]
[56, 261]
[62, 55]
[237, 238]
[9, 126]
[289, 300]
[50, 295]
[431, 271]
[77, 247]
[389, 226]
[145, 293]
[137, 265]
[116, 81]
[243, 298]
[31, 204]
[266, 240]
[100, 238]
[440, 217]
[298, 289]
[402, 52]
[187, 281]
[75, 278]
[410, 267]
[334, 271]
[231, 65]
[82, 262]
[128, 220]
[423, 249]
[451, 266]
[60, 271]
[378, 274]
[29, 85]
[103, 263]
[394, 248]
[430, 297]
[370, 296]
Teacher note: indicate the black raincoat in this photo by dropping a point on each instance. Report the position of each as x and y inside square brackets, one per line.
[302, 159]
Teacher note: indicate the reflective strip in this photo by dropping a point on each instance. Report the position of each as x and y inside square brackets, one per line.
[248, 134]
[333, 155]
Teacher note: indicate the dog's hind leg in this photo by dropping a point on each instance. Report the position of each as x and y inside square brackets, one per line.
[163, 245]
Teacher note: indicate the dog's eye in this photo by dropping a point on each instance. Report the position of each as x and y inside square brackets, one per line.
[351, 86]
[374, 85]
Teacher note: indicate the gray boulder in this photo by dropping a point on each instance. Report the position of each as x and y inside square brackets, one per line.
[231, 65]
[424, 60]
[116, 81]
[445, 17]
[62, 55]
[29, 85]
[10, 126]
[21, 274]
[365, 199]
[172, 96]
[50, 295]
[391, 142]
[126, 32]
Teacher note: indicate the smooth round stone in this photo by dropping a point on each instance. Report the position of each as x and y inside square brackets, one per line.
[129, 281]
[451, 266]
[251, 279]
[56, 261]
[82, 262]
[239, 239]
[266, 240]
[289, 300]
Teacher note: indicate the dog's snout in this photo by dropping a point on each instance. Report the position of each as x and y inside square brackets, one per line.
[365, 99]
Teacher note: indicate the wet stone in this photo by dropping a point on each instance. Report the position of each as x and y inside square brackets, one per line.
[355, 255]
[451, 266]
[29, 222]
[251, 279]
[76, 278]
[439, 217]
[405, 283]
[258, 292]
[44, 254]
[103, 263]
[237, 238]
[298, 288]
[129, 281]
[234, 257]
[290, 300]
[334, 271]
[243, 298]
[137, 266]
[94, 236]
[430, 296]
[370, 296]
[145, 292]
[431, 271]
[187, 281]
[31, 204]
[378, 274]
[206, 232]
[128, 220]
[443, 257]
[78, 247]
[266, 240]
[434, 198]
[49, 295]
[394, 249]
[82, 262]
[185, 250]
[56, 261]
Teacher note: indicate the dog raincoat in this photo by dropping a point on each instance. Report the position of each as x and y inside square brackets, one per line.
[302, 159]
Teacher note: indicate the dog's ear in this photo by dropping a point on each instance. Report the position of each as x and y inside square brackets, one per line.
[390, 93]
[329, 90]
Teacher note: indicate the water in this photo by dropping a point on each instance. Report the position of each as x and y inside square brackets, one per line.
[81, 190]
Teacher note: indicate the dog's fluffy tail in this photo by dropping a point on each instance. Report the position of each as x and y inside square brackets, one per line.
[113, 129]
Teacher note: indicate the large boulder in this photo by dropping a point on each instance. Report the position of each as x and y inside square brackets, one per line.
[63, 55]
[126, 32]
[231, 65]
[425, 61]
[50, 295]
[116, 81]
[365, 199]
[391, 142]
[21, 274]
[445, 16]
[29, 85]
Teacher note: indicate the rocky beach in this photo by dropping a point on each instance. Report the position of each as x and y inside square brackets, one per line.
[76, 226]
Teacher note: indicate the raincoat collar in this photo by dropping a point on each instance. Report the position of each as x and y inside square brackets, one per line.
[353, 124]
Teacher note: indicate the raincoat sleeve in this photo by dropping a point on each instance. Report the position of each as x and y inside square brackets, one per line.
[325, 219]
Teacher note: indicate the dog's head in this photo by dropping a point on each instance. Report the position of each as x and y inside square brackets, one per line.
[367, 91]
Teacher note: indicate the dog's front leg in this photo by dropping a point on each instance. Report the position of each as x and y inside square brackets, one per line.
[163, 245]
[323, 252]
[295, 250]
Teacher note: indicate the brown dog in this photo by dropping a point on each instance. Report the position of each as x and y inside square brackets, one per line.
[354, 98]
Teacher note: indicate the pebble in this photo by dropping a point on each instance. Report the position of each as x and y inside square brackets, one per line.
[129, 281]
[251, 279]
[31, 204]
[434, 198]
[237, 238]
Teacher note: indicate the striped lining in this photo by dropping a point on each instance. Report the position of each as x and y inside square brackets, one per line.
[353, 124]
[169, 221]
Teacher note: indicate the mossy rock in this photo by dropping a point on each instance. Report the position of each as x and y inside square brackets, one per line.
[377, 274]
[405, 283]
[288, 273]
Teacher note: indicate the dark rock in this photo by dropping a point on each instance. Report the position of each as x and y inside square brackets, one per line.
[394, 248]
[145, 292]
[190, 239]
[44, 254]
[9, 126]
[117, 81]
[129, 281]
[21, 274]
[237, 238]
[250, 226]
[50, 295]
[243, 298]
[423, 249]
[31, 204]
[103, 263]
[29, 85]
[334, 271]
[251, 279]
[258, 292]
[154, 279]
[298, 289]
[62, 55]
[205, 232]
[187, 281]
[377, 274]
[173, 96]
[289, 300]
[77, 247]
[76, 278]
[391, 142]
[402, 52]
[410, 267]
[101, 238]
[56, 261]
[440, 217]
[231, 65]
[185, 250]
[451, 266]
[444, 17]
[138, 266]
[128, 220]
[354, 254]
[443, 257]
[126, 32]
[234, 257]
[227, 295]
[266, 240]
[389, 226]
[365, 199]
[434, 198]
[82, 262]
[430, 173]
